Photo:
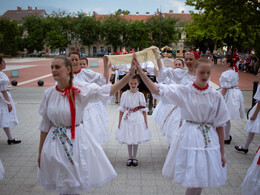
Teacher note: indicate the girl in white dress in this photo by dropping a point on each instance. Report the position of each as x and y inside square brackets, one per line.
[253, 124]
[200, 160]
[232, 95]
[132, 127]
[95, 116]
[251, 183]
[8, 116]
[70, 160]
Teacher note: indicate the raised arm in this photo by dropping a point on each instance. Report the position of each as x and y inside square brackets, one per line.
[153, 88]
[106, 69]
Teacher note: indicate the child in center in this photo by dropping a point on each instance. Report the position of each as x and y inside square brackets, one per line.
[132, 127]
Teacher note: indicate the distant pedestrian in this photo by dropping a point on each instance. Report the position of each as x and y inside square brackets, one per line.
[132, 127]
[8, 116]
[232, 95]
[253, 123]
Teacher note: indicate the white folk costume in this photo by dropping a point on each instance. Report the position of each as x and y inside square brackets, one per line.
[234, 97]
[251, 183]
[195, 161]
[7, 119]
[95, 116]
[72, 161]
[133, 129]
[2, 170]
[173, 119]
[254, 125]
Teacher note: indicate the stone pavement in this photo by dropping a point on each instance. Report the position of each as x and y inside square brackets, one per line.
[20, 161]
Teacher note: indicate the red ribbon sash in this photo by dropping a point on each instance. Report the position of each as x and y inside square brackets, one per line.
[258, 162]
[70, 91]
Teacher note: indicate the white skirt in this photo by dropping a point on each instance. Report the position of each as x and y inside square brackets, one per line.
[2, 170]
[133, 130]
[251, 183]
[7, 119]
[91, 166]
[95, 120]
[235, 103]
[192, 164]
[161, 111]
[253, 125]
[171, 124]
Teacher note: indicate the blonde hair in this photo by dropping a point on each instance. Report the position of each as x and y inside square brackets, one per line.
[202, 60]
[68, 63]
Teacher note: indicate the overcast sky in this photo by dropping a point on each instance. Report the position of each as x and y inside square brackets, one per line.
[99, 6]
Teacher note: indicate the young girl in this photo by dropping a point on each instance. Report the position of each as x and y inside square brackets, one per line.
[70, 160]
[200, 160]
[251, 183]
[253, 124]
[95, 115]
[8, 116]
[232, 95]
[132, 127]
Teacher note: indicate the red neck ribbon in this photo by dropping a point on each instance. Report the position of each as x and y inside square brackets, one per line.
[70, 91]
[258, 162]
[77, 71]
[199, 88]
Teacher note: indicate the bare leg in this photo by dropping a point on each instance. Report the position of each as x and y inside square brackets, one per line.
[193, 191]
[227, 130]
[135, 151]
[130, 151]
[249, 139]
[8, 133]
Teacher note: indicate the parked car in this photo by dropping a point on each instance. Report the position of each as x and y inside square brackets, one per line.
[101, 53]
[83, 54]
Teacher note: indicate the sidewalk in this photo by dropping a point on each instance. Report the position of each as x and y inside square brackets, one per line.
[20, 161]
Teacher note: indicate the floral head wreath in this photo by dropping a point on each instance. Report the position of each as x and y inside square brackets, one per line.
[197, 56]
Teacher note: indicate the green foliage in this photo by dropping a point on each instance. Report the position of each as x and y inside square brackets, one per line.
[224, 22]
[119, 11]
[9, 32]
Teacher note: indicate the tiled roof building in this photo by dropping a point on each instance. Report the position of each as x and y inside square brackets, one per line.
[19, 13]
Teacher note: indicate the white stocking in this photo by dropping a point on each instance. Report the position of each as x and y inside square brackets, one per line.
[130, 151]
[135, 151]
[8, 133]
[227, 130]
[249, 139]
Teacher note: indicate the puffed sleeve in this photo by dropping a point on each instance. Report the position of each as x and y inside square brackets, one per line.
[175, 75]
[122, 102]
[142, 102]
[228, 79]
[3, 86]
[257, 94]
[91, 92]
[172, 94]
[45, 124]
[222, 114]
[94, 77]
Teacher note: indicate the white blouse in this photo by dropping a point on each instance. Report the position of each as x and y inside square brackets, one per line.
[55, 108]
[228, 79]
[206, 106]
[87, 75]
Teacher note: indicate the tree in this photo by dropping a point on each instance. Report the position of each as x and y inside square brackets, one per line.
[34, 32]
[114, 30]
[232, 20]
[124, 12]
[168, 26]
[9, 35]
[88, 29]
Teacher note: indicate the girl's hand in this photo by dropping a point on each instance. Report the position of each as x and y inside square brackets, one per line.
[10, 108]
[223, 160]
[253, 117]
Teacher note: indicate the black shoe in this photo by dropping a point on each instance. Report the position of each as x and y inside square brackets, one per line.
[240, 148]
[129, 162]
[229, 140]
[13, 141]
[135, 162]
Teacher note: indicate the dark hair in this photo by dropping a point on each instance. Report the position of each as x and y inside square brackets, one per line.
[229, 60]
[74, 52]
[136, 77]
[68, 63]
[1, 59]
[179, 60]
[84, 58]
[202, 60]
